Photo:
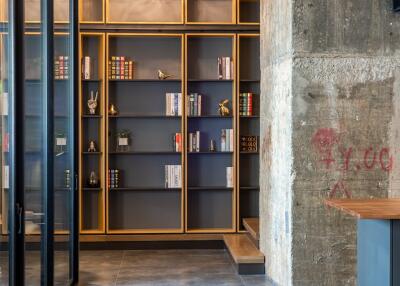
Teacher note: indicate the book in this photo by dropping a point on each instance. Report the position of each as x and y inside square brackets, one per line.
[4, 104]
[173, 176]
[223, 140]
[231, 140]
[86, 67]
[248, 143]
[197, 141]
[246, 104]
[229, 177]
[194, 104]
[120, 68]
[6, 177]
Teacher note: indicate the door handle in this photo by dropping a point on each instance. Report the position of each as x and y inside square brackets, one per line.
[19, 210]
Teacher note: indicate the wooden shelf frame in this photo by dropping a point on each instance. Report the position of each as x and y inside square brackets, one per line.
[101, 215]
[109, 21]
[179, 36]
[233, 16]
[238, 119]
[233, 190]
[81, 11]
[238, 9]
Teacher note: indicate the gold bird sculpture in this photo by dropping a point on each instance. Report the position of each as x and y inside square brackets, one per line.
[162, 75]
[223, 108]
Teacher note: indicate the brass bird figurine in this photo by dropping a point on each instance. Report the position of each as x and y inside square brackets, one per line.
[162, 75]
[223, 108]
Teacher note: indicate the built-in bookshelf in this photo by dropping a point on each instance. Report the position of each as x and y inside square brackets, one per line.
[142, 132]
[210, 12]
[248, 12]
[248, 97]
[92, 130]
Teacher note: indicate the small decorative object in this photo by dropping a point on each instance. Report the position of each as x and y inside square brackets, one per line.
[113, 110]
[93, 180]
[92, 146]
[92, 102]
[61, 143]
[163, 75]
[67, 177]
[212, 146]
[223, 108]
[123, 140]
[248, 143]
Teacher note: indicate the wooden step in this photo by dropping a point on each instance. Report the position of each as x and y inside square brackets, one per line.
[248, 259]
[252, 225]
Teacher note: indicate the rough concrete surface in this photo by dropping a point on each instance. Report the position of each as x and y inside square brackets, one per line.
[330, 128]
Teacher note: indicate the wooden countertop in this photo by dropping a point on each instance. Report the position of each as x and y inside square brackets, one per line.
[368, 208]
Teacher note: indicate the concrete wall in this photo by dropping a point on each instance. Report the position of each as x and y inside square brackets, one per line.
[330, 128]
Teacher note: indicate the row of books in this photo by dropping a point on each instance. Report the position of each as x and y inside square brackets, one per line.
[120, 67]
[248, 143]
[227, 140]
[61, 67]
[4, 103]
[246, 104]
[173, 104]
[87, 67]
[225, 68]
[194, 104]
[194, 142]
[177, 142]
[114, 178]
[173, 176]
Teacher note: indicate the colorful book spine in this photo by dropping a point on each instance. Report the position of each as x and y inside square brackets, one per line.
[229, 177]
[177, 142]
[225, 68]
[113, 178]
[87, 67]
[173, 104]
[120, 68]
[194, 104]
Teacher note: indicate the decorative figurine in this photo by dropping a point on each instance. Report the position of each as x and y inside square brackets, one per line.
[92, 146]
[113, 110]
[223, 108]
[212, 145]
[93, 180]
[123, 141]
[92, 102]
[162, 75]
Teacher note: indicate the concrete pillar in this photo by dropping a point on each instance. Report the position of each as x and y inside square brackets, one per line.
[330, 127]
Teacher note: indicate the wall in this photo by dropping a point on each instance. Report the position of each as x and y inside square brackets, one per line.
[335, 122]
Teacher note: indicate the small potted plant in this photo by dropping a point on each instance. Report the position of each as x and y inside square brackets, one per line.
[123, 140]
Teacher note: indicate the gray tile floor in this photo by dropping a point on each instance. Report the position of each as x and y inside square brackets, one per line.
[147, 267]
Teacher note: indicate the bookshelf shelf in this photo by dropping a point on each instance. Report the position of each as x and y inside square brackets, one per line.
[210, 188]
[92, 116]
[144, 80]
[210, 153]
[145, 189]
[91, 189]
[209, 116]
[210, 80]
[146, 153]
[249, 188]
[92, 80]
[92, 153]
[144, 116]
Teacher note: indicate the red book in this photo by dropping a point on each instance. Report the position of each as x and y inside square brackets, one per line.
[250, 104]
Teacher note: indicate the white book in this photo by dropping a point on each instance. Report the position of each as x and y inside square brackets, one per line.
[190, 142]
[223, 140]
[87, 71]
[229, 177]
[179, 176]
[231, 139]
[180, 104]
[228, 67]
[197, 141]
[199, 105]
[172, 103]
[6, 177]
[167, 103]
[170, 180]
[166, 175]
[176, 176]
[4, 104]
[227, 140]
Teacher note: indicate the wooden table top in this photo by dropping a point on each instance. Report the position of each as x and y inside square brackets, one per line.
[368, 208]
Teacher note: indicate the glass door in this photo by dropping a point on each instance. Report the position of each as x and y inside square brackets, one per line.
[39, 196]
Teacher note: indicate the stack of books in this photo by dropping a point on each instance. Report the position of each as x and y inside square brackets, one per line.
[229, 177]
[173, 104]
[6, 177]
[246, 104]
[227, 140]
[120, 67]
[173, 176]
[114, 178]
[248, 143]
[86, 67]
[194, 142]
[194, 104]
[225, 68]
[61, 67]
[177, 142]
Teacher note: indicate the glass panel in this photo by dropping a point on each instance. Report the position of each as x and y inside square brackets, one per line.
[4, 147]
[210, 11]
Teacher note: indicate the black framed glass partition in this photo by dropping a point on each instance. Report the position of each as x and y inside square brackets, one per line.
[39, 196]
